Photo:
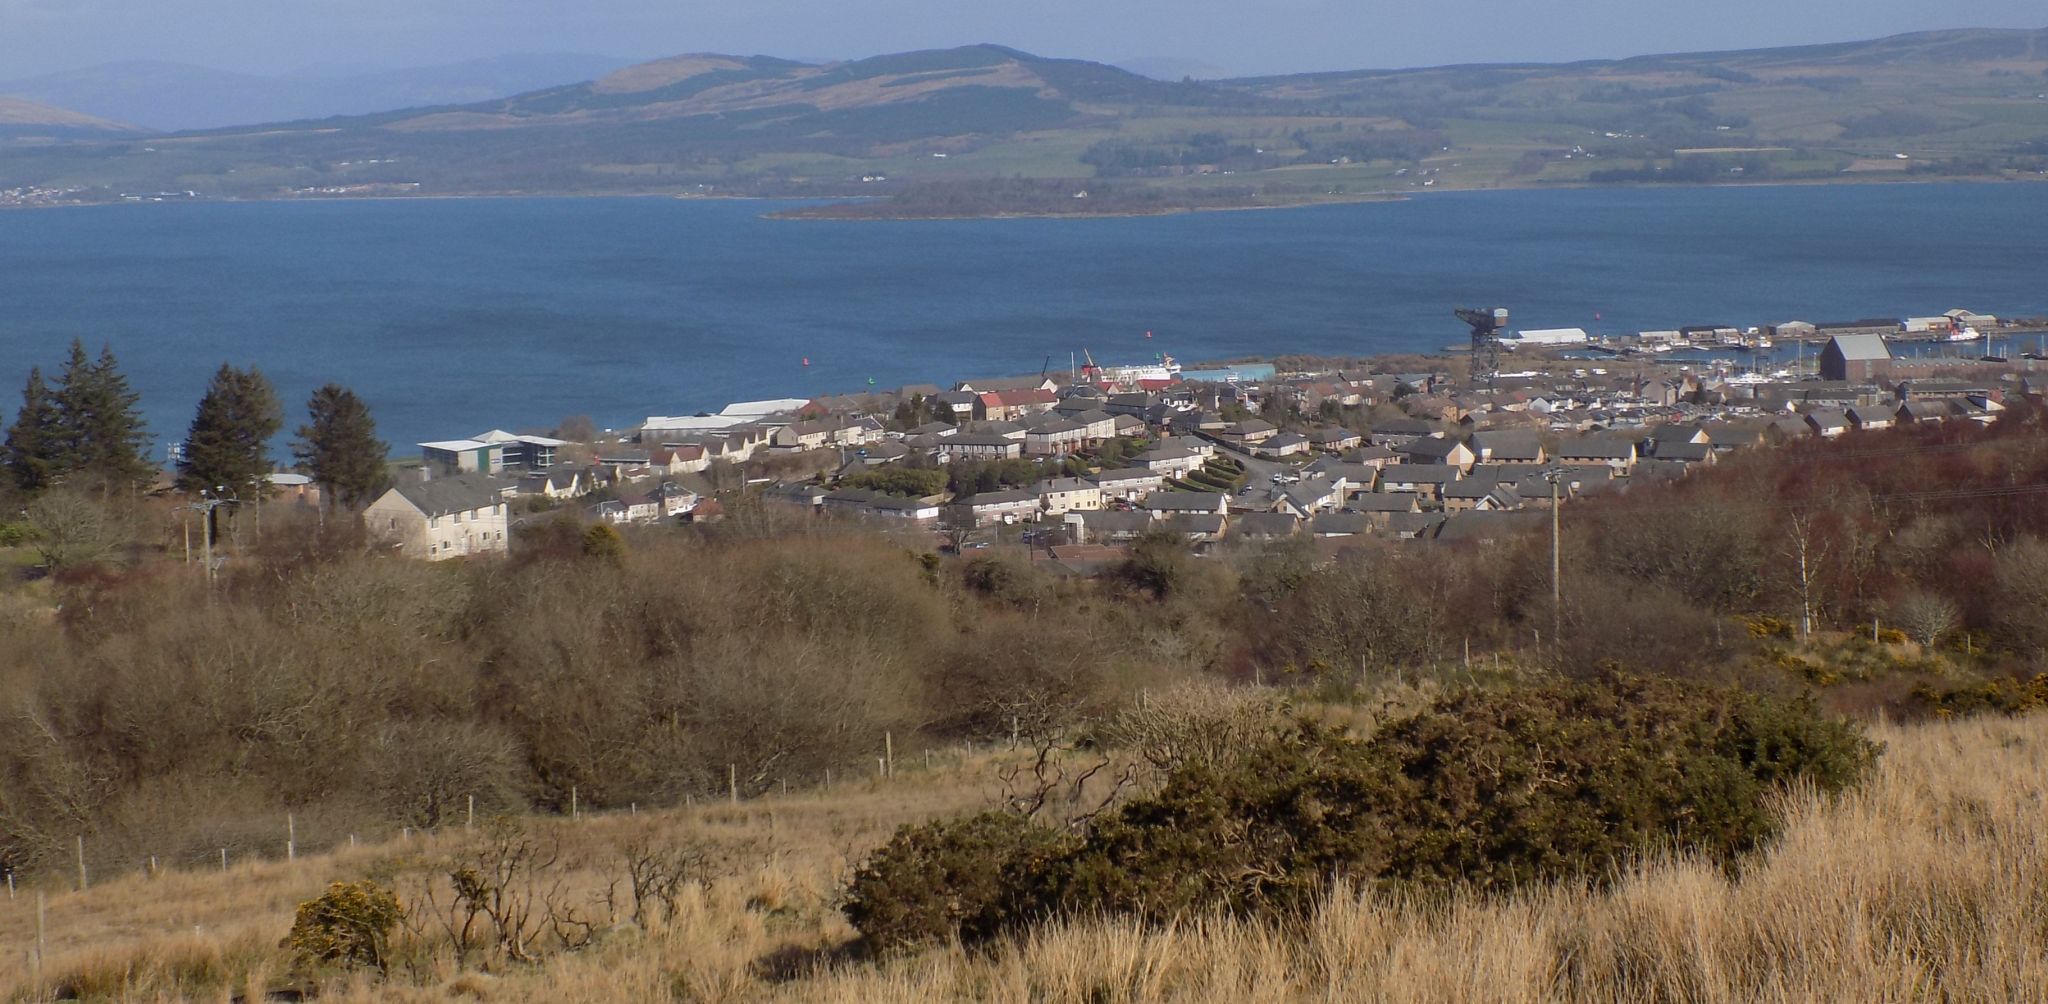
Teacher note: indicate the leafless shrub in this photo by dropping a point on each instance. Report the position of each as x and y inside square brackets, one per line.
[2020, 578]
[1195, 723]
[657, 874]
[427, 772]
[1060, 778]
[503, 895]
[74, 528]
[1925, 617]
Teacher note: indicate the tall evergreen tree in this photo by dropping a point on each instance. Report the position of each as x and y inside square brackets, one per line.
[340, 448]
[34, 438]
[229, 442]
[102, 437]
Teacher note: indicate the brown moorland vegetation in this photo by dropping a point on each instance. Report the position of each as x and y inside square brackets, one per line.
[364, 695]
[697, 735]
[1926, 883]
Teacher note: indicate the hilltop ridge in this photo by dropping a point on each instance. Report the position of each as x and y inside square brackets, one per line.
[1969, 103]
[21, 117]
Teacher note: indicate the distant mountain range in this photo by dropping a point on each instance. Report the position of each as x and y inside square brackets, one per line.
[21, 118]
[171, 97]
[1967, 103]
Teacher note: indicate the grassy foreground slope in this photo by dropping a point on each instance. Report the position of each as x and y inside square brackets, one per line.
[1929, 882]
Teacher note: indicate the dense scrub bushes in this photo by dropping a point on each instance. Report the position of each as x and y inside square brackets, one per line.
[365, 694]
[1487, 789]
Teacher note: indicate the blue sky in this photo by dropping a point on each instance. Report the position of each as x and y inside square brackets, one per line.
[1234, 36]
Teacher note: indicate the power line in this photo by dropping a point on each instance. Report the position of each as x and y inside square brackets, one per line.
[1955, 494]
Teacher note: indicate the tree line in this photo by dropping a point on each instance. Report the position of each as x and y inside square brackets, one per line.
[85, 433]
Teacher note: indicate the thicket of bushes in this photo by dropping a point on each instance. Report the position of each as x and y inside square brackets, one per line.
[363, 693]
[1491, 789]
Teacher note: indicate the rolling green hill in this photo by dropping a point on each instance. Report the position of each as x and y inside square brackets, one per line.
[1971, 103]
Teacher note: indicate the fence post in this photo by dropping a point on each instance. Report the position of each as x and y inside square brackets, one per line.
[889, 751]
[469, 821]
[732, 782]
[81, 862]
[39, 942]
[223, 859]
[572, 801]
[291, 838]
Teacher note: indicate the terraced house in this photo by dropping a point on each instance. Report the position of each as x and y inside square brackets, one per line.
[449, 517]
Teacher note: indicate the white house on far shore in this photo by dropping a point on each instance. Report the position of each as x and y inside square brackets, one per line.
[448, 517]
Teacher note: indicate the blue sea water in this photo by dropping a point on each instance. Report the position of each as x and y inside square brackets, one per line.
[452, 317]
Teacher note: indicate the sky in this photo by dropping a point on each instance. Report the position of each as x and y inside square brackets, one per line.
[1238, 37]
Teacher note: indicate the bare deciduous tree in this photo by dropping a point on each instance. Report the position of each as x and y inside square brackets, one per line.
[1925, 617]
[72, 528]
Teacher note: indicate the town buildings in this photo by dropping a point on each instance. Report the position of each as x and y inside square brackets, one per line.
[455, 516]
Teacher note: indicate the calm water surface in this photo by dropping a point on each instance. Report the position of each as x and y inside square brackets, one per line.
[452, 317]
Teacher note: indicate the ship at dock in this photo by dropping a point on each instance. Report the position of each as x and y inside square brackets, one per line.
[1162, 371]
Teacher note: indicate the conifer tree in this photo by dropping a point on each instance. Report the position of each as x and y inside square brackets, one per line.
[340, 448]
[101, 434]
[228, 446]
[34, 438]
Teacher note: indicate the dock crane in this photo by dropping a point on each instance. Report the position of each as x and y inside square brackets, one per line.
[1487, 326]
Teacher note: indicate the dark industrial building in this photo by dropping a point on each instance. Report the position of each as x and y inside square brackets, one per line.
[1856, 358]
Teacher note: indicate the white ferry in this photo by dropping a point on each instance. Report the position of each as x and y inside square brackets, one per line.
[1163, 371]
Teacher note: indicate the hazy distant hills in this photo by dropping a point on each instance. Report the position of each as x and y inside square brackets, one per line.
[1171, 68]
[174, 96]
[1968, 103]
[26, 119]
[885, 99]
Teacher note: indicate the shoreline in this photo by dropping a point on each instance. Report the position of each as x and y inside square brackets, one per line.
[793, 215]
[804, 216]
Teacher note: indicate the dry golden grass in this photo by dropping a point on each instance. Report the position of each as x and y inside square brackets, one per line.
[1928, 884]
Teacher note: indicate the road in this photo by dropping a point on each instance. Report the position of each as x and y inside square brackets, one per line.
[1258, 476]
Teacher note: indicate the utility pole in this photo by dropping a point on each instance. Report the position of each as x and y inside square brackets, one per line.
[1556, 561]
[208, 502]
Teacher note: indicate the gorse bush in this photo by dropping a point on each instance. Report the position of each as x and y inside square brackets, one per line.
[1483, 789]
[1498, 789]
[1265, 833]
[946, 879]
[348, 925]
[2005, 695]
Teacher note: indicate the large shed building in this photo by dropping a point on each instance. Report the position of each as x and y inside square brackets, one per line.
[1856, 358]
